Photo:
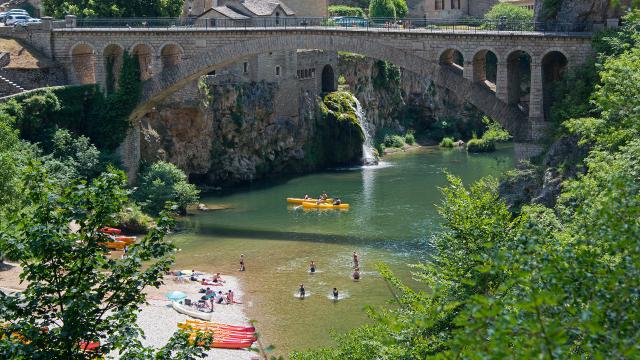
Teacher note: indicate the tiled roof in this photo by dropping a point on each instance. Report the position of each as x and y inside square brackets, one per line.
[228, 12]
[265, 7]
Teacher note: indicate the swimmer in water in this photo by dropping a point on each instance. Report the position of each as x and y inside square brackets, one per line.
[301, 291]
[355, 259]
[335, 294]
[312, 267]
[356, 274]
[242, 268]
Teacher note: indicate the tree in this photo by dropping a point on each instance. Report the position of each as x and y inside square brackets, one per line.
[76, 293]
[117, 8]
[77, 154]
[163, 182]
[516, 17]
[382, 9]
[401, 8]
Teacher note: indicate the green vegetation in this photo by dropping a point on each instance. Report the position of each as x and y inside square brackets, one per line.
[72, 290]
[410, 137]
[447, 142]
[339, 136]
[343, 10]
[382, 9]
[513, 14]
[401, 8]
[118, 8]
[555, 282]
[163, 182]
[131, 219]
[393, 141]
[476, 145]
[493, 134]
[386, 75]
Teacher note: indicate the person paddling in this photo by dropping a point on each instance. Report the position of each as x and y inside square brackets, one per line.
[337, 202]
[301, 291]
[312, 267]
[335, 294]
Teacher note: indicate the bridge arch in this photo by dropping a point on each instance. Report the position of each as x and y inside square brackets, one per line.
[454, 58]
[554, 64]
[112, 56]
[171, 54]
[328, 79]
[519, 75]
[83, 62]
[144, 53]
[173, 78]
[485, 67]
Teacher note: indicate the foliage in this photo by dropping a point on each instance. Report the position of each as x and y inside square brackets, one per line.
[480, 145]
[382, 9]
[131, 219]
[343, 10]
[164, 182]
[446, 142]
[410, 137]
[75, 293]
[570, 96]
[494, 132]
[393, 141]
[386, 75]
[550, 9]
[79, 157]
[401, 8]
[117, 8]
[515, 16]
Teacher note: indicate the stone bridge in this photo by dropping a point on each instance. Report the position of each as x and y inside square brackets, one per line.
[455, 59]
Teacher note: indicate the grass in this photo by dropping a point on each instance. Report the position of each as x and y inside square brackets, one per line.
[23, 56]
[446, 142]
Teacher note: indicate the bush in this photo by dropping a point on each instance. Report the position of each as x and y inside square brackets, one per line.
[494, 132]
[480, 145]
[401, 8]
[516, 15]
[343, 10]
[393, 141]
[76, 154]
[131, 219]
[446, 142]
[163, 182]
[410, 138]
[382, 9]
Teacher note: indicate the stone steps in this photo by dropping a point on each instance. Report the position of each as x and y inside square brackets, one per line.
[8, 87]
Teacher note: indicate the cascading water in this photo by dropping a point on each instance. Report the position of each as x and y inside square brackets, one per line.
[368, 154]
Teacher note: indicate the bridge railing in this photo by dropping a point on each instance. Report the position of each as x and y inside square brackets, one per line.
[352, 23]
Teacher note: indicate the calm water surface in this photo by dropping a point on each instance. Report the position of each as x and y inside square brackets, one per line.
[392, 219]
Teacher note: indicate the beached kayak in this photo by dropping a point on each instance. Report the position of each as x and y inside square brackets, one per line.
[114, 245]
[126, 239]
[313, 205]
[109, 230]
[212, 325]
[300, 200]
[182, 309]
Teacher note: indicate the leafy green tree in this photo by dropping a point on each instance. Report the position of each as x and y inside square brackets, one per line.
[162, 182]
[77, 153]
[382, 9]
[117, 8]
[75, 292]
[401, 8]
[343, 10]
[510, 11]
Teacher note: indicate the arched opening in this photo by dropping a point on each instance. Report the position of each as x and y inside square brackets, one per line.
[144, 54]
[83, 59]
[453, 59]
[519, 79]
[554, 67]
[328, 79]
[485, 68]
[113, 65]
[171, 55]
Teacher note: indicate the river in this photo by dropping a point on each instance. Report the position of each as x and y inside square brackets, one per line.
[392, 218]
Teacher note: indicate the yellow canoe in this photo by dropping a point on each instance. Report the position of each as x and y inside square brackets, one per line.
[126, 239]
[313, 205]
[300, 200]
[114, 245]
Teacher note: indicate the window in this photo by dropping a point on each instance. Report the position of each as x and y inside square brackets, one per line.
[277, 70]
[455, 4]
[245, 67]
[439, 4]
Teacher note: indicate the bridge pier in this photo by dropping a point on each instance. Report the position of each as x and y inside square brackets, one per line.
[501, 81]
[129, 152]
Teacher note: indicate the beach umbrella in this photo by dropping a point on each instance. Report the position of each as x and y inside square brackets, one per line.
[176, 296]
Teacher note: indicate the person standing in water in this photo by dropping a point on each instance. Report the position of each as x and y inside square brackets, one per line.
[242, 262]
[335, 294]
[301, 291]
[356, 274]
[355, 260]
[312, 267]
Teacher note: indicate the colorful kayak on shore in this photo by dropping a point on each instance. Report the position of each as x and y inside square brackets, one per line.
[312, 205]
[182, 309]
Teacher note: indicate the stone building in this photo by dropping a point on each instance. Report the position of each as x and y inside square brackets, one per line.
[455, 9]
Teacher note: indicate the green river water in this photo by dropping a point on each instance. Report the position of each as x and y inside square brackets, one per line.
[392, 219]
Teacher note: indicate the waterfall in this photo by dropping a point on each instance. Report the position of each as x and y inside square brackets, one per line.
[368, 155]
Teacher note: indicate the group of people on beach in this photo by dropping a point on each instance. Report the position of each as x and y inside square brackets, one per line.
[219, 298]
[312, 269]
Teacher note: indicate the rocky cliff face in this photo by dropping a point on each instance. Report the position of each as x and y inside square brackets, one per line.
[233, 133]
[578, 11]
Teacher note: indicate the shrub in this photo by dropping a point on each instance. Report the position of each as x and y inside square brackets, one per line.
[401, 8]
[494, 132]
[410, 138]
[132, 219]
[343, 10]
[393, 141]
[516, 15]
[446, 142]
[164, 182]
[76, 154]
[480, 145]
[382, 9]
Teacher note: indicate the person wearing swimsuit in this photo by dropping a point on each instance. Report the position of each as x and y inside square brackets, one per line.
[312, 267]
[356, 274]
[355, 259]
[301, 291]
[335, 294]
[242, 262]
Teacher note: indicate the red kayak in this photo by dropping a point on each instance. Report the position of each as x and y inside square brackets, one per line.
[112, 231]
[231, 344]
[89, 346]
